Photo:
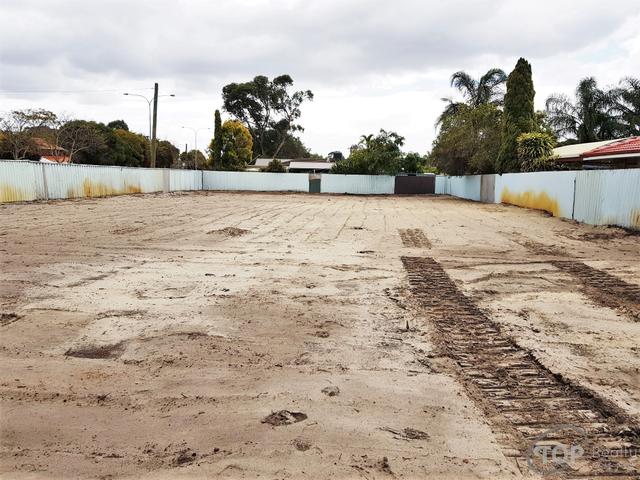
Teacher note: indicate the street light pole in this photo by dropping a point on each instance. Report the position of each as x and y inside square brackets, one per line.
[153, 117]
[195, 142]
[155, 122]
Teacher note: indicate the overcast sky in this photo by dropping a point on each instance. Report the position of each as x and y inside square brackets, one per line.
[371, 64]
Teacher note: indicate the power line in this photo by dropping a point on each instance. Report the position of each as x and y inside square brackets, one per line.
[20, 92]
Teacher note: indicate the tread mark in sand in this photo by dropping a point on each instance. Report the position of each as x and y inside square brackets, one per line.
[520, 396]
[414, 238]
[603, 288]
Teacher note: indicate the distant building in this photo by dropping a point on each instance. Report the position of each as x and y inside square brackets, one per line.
[301, 165]
[50, 153]
[621, 153]
[306, 166]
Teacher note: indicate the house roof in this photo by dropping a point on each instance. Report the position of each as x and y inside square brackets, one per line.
[297, 165]
[263, 162]
[54, 159]
[619, 147]
[42, 144]
[578, 149]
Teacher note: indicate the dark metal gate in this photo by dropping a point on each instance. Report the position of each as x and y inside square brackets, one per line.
[415, 184]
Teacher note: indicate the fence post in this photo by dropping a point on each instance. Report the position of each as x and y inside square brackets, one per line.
[44, 181]
[573, 206]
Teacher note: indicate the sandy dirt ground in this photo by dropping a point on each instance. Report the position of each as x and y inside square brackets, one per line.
[232, 335]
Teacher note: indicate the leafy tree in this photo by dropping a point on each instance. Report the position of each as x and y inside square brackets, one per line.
[412, 163]
[262, 105]
[166, 155]
[468, 142]
[20, 127]
[236, 146]
[535, 152]
[291, 148]
[519, 114]
[86, 142]
[587, 119]
[118, 125]
[128, 149]
[375, 155]
[215, 148]
[187, 160]
[275, 166]
[486, 90]
[627, 105]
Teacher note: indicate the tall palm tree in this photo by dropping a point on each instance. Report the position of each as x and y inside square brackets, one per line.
[627, 104]
[486, 90]
[590, 118]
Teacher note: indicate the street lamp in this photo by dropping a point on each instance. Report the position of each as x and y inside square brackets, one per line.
[150, 101]
[195, 149]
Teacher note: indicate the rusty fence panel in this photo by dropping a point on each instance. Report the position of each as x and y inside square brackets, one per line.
[78, 181]
[552, 192]
[21, 181]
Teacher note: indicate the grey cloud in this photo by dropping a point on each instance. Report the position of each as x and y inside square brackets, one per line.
[327, 42]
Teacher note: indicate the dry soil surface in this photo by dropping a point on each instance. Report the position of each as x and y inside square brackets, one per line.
[232, 335]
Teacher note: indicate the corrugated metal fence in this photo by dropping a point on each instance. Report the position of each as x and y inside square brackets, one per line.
[357, 184]
[603, 197]
[600, 197]
[264, 181]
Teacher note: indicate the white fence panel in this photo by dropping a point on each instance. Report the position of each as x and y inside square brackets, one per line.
[358, 184]
[185, 180]
[608, 197]
[549, 191]
[143, 180]
[468, 186]
[256, 181]
[21, 181]
[442, 185]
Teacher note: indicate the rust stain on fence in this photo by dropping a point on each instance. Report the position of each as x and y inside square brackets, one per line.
[99, 189]
[529, 199]
[635, 219]
[12, 194]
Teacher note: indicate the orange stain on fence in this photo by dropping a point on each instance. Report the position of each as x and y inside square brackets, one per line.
[12, 194]
[635, 219]
[98, 189]
[529, 199]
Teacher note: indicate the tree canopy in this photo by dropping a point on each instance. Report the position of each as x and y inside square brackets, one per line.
[267, 108]
[519, 115]
[469, 141]
[379, 155]
[236, 146]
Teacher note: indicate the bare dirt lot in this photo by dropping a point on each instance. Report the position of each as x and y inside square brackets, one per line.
[302, 336]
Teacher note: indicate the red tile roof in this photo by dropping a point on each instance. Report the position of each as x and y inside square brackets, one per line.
[622, 147]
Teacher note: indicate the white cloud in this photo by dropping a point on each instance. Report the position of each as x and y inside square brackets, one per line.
[371, 64]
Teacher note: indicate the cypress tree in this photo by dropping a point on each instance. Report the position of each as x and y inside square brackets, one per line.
[216, 144]
[519, 115]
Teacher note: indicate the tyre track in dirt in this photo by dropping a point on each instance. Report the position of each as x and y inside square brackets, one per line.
[518, 394]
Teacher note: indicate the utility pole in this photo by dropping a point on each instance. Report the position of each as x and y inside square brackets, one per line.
[154, 146]
[153, 120]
